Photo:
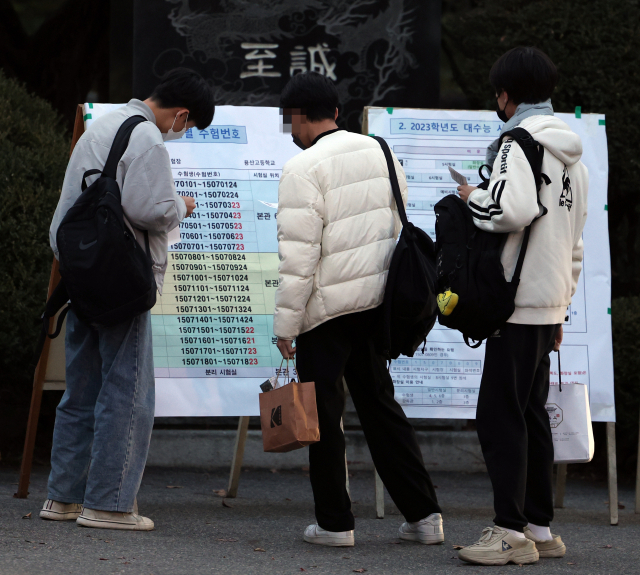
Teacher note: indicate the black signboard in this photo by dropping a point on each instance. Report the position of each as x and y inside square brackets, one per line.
[378, 52]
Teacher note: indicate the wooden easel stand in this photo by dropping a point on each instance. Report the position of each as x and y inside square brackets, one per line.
[41, 368]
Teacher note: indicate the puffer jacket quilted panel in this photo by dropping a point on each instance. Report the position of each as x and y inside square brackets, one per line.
[337, 229]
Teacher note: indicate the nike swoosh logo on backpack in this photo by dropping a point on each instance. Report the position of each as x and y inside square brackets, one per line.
[84, 246]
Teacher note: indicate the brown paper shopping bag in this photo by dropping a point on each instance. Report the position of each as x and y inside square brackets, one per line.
[289, 416]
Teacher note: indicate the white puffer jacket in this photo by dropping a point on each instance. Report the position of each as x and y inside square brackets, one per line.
[337, 229]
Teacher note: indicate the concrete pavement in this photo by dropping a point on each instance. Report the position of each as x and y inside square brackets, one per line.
[260, 532]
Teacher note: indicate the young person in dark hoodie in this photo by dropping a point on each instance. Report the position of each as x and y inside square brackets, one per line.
[512, 421]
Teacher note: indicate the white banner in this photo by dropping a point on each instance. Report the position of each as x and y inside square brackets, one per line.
[213, 342]
[213, 326]
[445, 379]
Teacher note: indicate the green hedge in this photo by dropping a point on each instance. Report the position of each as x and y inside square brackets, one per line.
[34, 150]
[626, 355]
[595, 46]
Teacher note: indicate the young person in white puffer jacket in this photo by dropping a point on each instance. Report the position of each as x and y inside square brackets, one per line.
[337, 230]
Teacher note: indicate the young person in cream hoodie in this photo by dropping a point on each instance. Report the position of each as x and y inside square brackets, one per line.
[337, 230]
[512, 421]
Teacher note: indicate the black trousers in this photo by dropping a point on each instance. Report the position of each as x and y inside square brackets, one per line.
[344, 347]
[513, 425]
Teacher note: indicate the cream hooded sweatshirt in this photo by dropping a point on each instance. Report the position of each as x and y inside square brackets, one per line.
[553, 261]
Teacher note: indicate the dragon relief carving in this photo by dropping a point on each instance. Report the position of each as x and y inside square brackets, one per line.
[356, 25]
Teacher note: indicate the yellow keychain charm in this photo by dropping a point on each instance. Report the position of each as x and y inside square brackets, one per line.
[447, 301]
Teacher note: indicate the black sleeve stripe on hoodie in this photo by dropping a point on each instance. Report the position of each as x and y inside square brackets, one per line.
[492, 210]
[499, 186]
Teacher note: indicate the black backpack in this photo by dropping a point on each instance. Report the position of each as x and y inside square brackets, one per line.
[106, 274]
[409, 308]
[468, 258]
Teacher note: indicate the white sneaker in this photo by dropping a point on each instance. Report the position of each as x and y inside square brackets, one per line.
[551, 548]
[316, 534]
[427, 531]
[499, 547]
[56, 511]
[114, 520]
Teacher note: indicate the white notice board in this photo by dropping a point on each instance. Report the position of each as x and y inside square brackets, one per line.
[213, 325]
[213, 342]
[444, 381]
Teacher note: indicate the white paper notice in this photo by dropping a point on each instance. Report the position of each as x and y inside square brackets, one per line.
[445, 379]
[213, 342]
[458, 177]
[213, 325]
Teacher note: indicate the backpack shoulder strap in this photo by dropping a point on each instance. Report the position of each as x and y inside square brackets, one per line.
[119, 146]
[393, 176]
[533, 151]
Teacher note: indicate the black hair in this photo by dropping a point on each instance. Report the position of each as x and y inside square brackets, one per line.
[527, 74]
[314, 94]
[184, 88]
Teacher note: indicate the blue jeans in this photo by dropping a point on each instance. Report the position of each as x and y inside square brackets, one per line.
[104, 420]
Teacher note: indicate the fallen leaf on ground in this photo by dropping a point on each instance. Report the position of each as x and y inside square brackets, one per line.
[259, 549]
[174, 486]
[27, 516]
[220, 492]
[570, 563]
[458, 546]
[395, 543]
[287, 499]
[103, 559]
[620, 506]
[360, 570]
[227, 539]
[225, 504]
[607, 546]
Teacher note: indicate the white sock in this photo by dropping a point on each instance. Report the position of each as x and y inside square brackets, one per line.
[514, 533]
[542, 533]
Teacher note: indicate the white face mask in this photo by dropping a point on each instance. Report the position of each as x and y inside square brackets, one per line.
[171, 135]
